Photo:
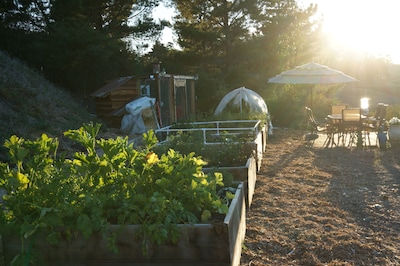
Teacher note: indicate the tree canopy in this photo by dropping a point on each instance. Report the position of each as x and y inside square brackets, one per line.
[239, 42]
[79, 44]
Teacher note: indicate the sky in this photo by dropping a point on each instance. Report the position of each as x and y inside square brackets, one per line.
[369, 26]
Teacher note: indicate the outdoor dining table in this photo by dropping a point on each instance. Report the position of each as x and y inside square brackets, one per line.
[335, 126]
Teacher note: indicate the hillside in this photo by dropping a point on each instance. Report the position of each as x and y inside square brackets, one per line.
[31, 105]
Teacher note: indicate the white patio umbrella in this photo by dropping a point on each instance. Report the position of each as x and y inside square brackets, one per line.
[312, 73]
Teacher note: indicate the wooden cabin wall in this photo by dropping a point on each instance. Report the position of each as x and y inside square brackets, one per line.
[115, 100]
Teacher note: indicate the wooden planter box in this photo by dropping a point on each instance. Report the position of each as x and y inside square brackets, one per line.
[246, 174]
[216, 129]
[199, 244]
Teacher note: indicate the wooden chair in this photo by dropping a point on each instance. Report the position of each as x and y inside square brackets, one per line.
[337, 109]
[351, 126]
[334, 124]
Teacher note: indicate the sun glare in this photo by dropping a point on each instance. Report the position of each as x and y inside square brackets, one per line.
[366, 26]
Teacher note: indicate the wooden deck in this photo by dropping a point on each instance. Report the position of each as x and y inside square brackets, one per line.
[322, 142]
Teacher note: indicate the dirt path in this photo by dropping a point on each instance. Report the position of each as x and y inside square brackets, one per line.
[315, 206]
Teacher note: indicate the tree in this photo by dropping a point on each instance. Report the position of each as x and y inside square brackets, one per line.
[26, 15]
[238, 42]
[288, 34]
[81, 59]
[80, 43]
[118, 19]
[209, 30]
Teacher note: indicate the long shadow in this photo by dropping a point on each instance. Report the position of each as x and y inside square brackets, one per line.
[359, 187]
[365, 184]
[350, 185]
[388, 170]
[283, 161]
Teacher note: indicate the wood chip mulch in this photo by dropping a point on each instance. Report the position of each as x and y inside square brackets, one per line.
[324, 206]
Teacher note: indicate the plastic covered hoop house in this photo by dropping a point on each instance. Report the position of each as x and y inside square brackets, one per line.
[243, 95]
[254, 101]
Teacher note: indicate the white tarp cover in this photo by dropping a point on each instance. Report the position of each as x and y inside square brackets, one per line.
[132, 123]
[253, 100]
[238, 96]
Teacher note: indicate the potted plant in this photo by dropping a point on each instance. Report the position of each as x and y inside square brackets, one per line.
[109, 200]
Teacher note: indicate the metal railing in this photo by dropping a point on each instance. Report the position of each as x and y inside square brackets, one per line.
[213, 132]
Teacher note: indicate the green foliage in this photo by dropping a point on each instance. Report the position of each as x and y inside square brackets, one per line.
[88, 55]
[233, 114]
[231, 150]
[228, 44]
[393, 110]
[242, 43]
[78, 44]
[26, 15]
[108, 183]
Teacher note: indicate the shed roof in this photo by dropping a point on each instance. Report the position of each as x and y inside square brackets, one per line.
[109, 87]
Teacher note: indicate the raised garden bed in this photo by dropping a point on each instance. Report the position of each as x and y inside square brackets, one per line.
[216, 243]
[235, 147]
[111, 197]
[246, 173]
[251, 132]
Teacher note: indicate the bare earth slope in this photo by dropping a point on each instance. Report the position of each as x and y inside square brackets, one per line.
[30, 105]
[315, 206]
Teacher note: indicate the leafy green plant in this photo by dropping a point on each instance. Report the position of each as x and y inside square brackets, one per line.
[110, 182]
[230, 151]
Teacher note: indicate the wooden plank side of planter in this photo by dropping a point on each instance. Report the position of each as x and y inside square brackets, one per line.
[246, 174]
[251, 180]
[264, 132]
[210, 247]
[199, 244]
[236, 224]
[259, 149]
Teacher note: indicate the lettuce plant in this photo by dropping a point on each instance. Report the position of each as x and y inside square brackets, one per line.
[107, 182]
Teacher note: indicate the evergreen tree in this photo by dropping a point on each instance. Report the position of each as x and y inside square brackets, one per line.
[234, 43]
[79, 44]
[26, 15]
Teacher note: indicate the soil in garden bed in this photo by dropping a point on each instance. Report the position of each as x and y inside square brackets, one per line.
[316, 206]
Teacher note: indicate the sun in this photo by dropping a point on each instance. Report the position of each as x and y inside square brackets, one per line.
[365, 26]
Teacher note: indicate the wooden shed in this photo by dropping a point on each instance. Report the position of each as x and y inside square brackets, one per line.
[174, 94]
[114, 95]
